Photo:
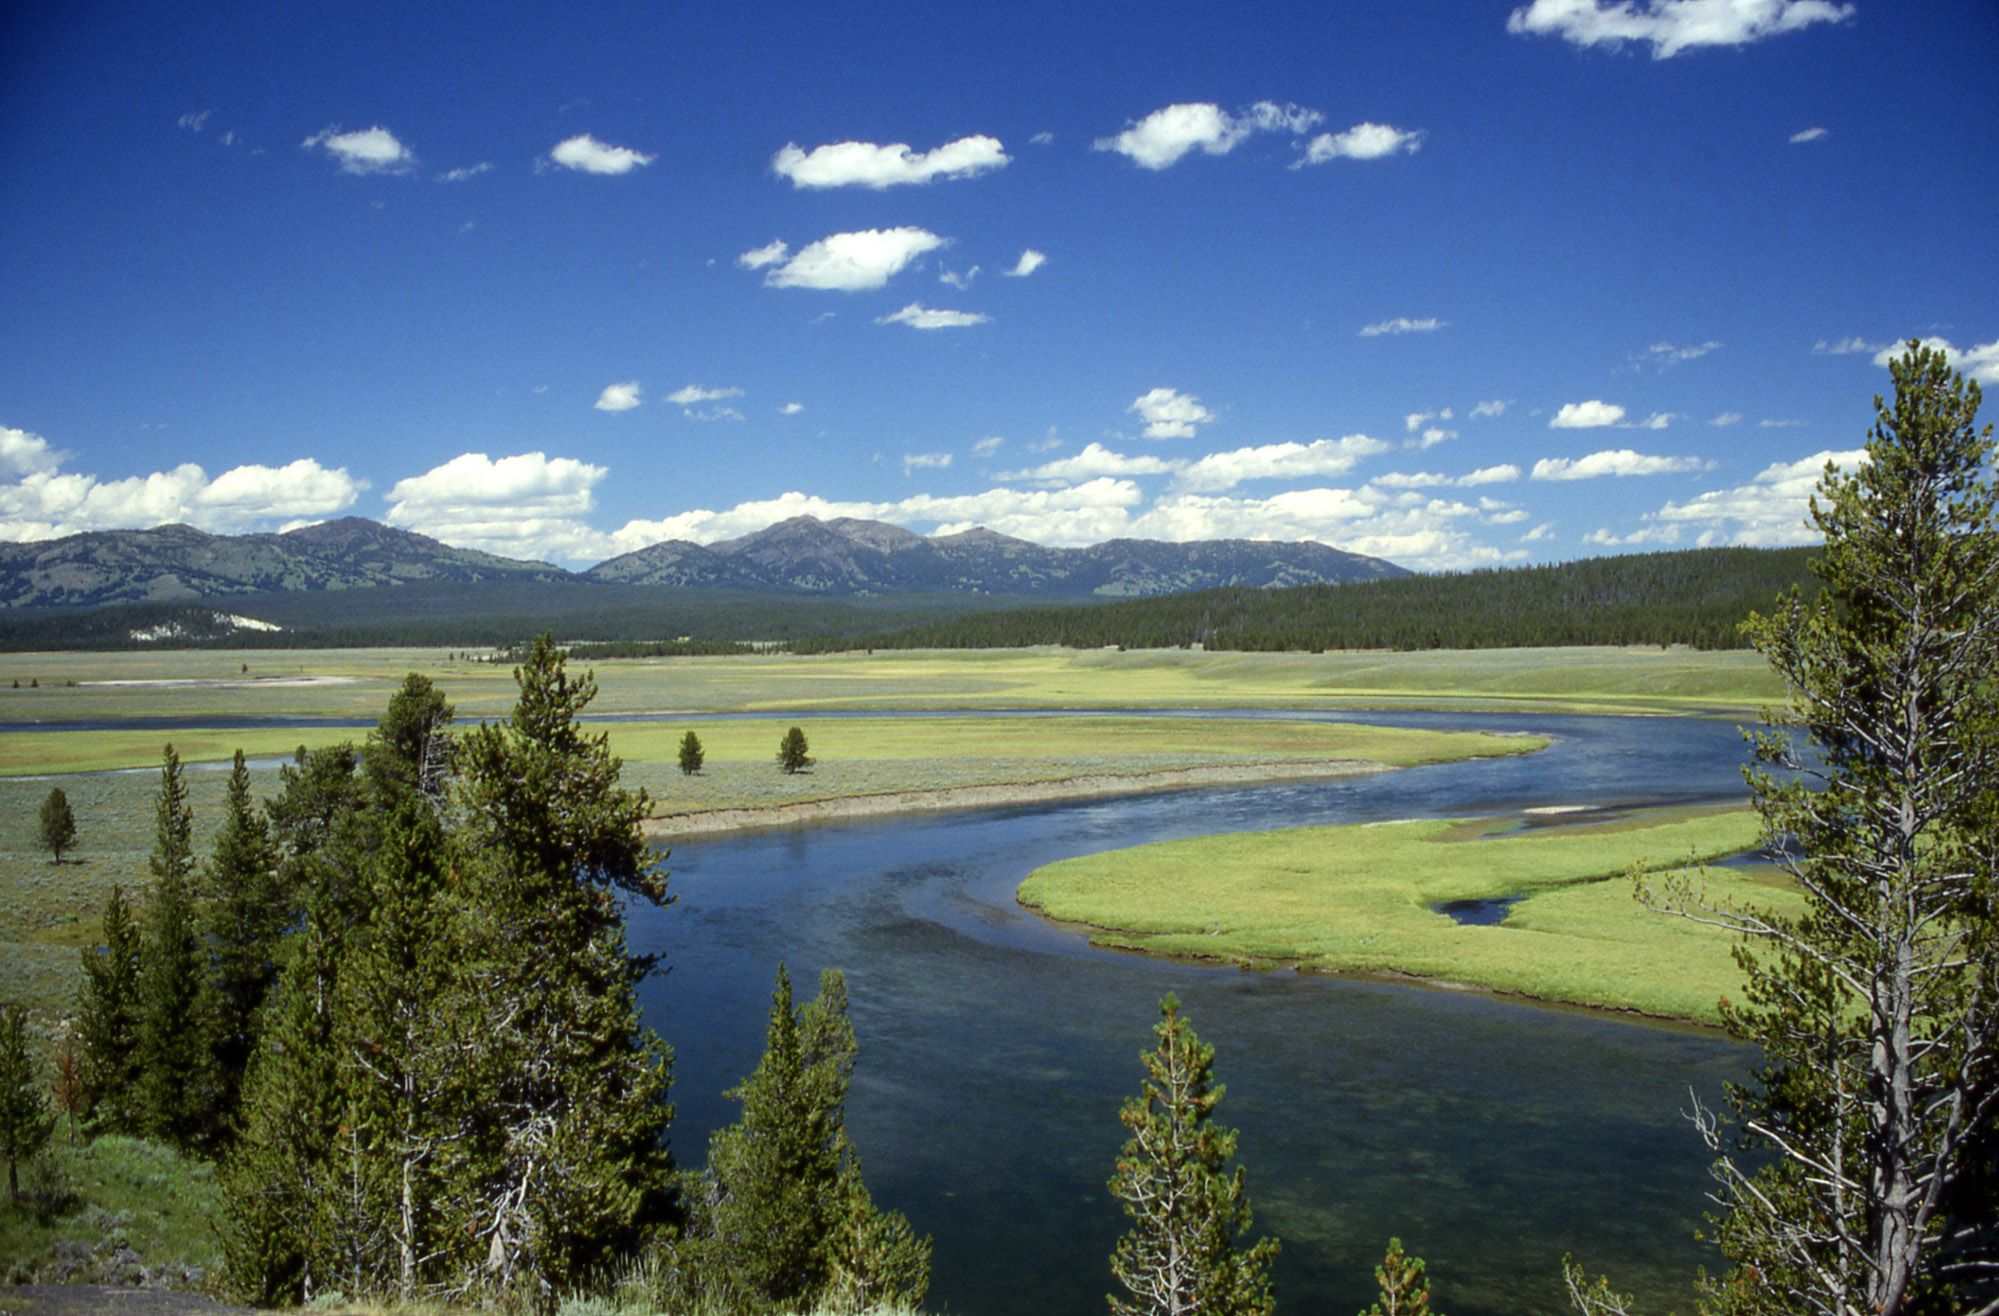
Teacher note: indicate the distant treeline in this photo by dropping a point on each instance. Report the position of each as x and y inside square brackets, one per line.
[1697, 597]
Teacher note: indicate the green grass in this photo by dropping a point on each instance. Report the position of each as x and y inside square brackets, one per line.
[1357, 899]
[124, 1193]
[358, 682]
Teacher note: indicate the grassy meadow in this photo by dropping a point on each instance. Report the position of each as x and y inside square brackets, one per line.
[357, 682]
[1359, 899]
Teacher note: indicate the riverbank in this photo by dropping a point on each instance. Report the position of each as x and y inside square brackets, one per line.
[1510, 906]
[711, 822]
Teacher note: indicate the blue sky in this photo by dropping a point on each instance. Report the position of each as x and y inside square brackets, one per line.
[1455, 284]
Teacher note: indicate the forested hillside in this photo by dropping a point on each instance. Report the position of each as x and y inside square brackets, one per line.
[1696, 597]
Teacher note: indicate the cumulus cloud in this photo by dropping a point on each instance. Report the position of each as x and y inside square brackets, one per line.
[464, 172]
[768, 254]
[1505, 473]
[1409, 527]
[1274, 461]
[1725, 419]
[688, 395]
[195, 120]
[1030, 261]
[1804, 135]
[22, 453]
[1614, 461]
[925, 461]
[1363, 141]
[1769, 510]
[864, 164]
[842, 262]
[1401, 324]
[525, 505]
[1586, 415]
[1671, 26]
[1546, 530]
[918, 316]
[1430, 438]
[791, 409]
[1093, 461]
[586, 155]
[1980, 363]
[987, 446]
[1496, 407]
[1661, 355]
[1416, 420]
[364, 151]
[1170, 414]
[41, 501]
[619, 397]
[1163, 137]
[957, 279]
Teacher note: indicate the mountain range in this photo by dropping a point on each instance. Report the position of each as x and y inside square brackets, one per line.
[801, 556]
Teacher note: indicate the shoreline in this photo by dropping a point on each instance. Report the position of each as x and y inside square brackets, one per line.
[994, 795]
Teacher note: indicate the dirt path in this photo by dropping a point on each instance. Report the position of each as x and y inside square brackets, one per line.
[92, 1299]
[996, 796]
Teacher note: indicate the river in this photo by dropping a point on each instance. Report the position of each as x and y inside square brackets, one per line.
[1490, 1135]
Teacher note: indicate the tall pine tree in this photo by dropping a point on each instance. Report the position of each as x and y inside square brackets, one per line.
[247, 917]
[26, 1122]
[1181, 1254]
[108, 1024]
[178, 1092]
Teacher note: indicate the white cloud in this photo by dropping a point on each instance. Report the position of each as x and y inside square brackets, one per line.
[1278, 461]
[1170, 414]
[1804, 135]
[1094, 461]
[1504, 473]
[987, 446]
[1650, 534]
[1614, 461]
[1363, 141]
[1430, 438]
[791, 409]
[587, 155]
[1401, 324]
[864, 164]
[1586, 415]
[690, 394]
[1161, 138]
[1658, 420]
[1661, 355]
[526, 505]
[1409, 528]
[925, 461]
[464, 172]
[1980, 363]
[1725, 419]
[1030, 261]
[46, 503]
[843, 262]
[918, 316]
[195, 120]
[1042, 138]
[22, 453]
[1415, 420]
[1411, 480]
[1769, 510]
[713, 413]
[1780, 424]
[364, 151]
[768, 254]
[1496, 407]
[958, 280]
[1850, 346]
[619, 397]
[1671, 26]
[1546, 530]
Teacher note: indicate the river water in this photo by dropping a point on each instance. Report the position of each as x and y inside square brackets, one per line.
[1490, 1135]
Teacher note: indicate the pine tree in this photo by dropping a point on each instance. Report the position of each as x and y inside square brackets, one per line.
[565, 1099]
[785, 1218]
[691, 755]
[410, 749]
[791, 752]
[1187, 1211]
[1876, 1009]
[108, 1023]
[26, 1122]
[178, 1092]
[247, 917]
[1405, 1289]
[58, 825]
